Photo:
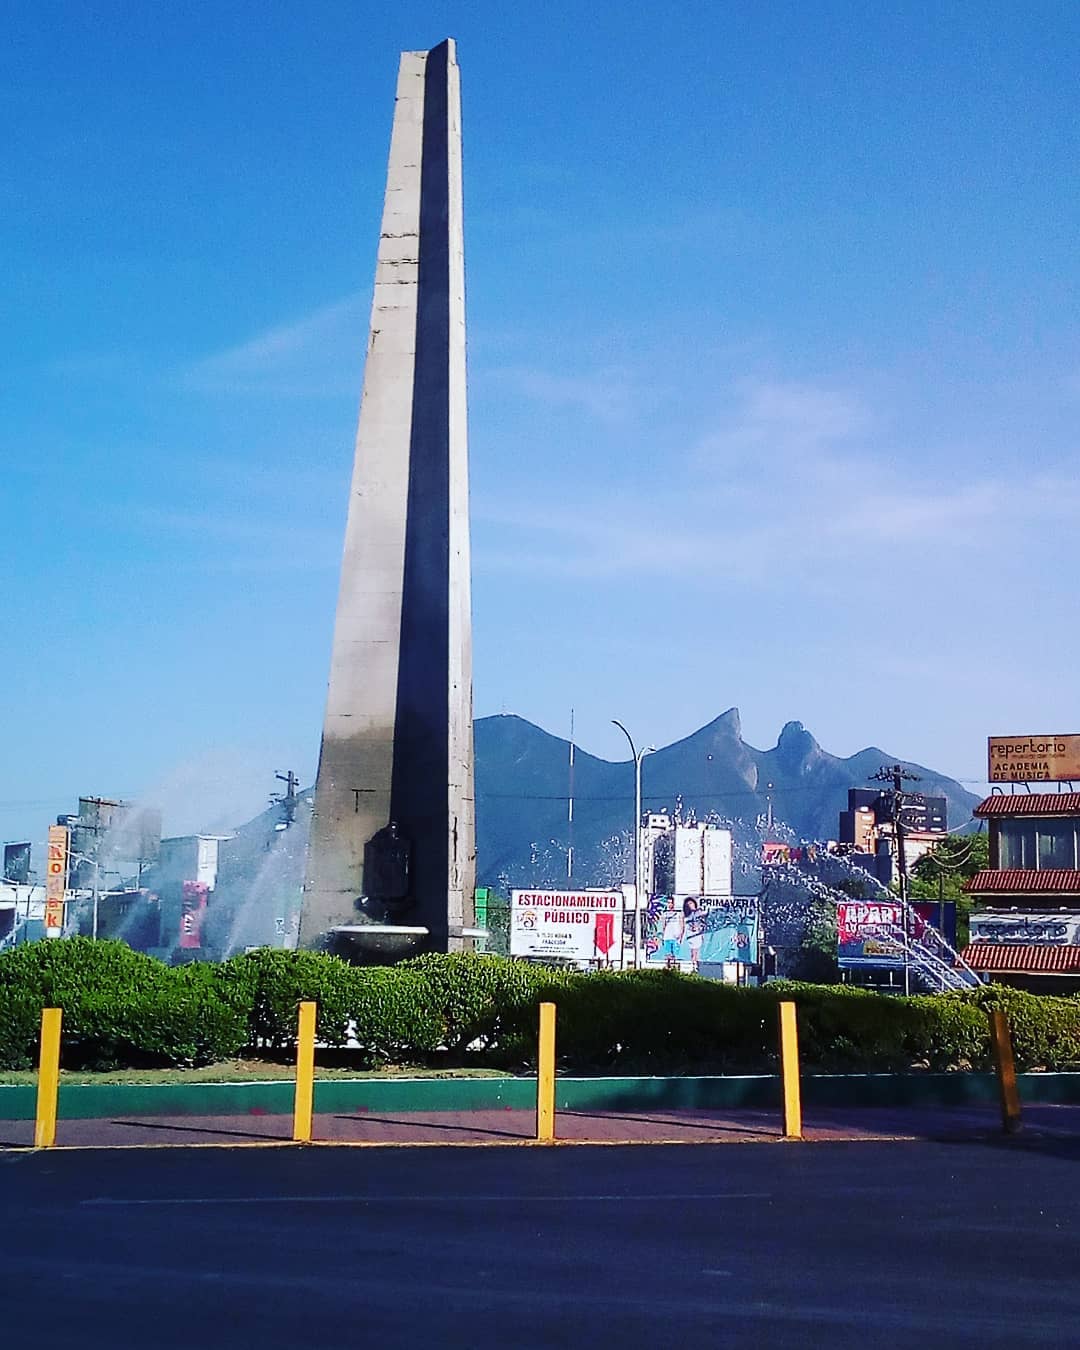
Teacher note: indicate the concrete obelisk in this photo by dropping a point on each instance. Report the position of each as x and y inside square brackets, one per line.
[393, 834]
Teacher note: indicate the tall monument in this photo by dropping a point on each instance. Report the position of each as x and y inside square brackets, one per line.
[392, 858]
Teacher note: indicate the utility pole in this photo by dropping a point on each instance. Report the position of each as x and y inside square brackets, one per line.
[287, 799]
[897, 775]
[638, 755]
[570, 806]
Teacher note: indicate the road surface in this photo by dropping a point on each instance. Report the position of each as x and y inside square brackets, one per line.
[829, 1244]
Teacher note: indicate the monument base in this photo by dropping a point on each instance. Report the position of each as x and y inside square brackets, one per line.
[377, 944]
[383, 944]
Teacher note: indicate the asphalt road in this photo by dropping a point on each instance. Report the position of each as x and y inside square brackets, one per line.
[860, 1244]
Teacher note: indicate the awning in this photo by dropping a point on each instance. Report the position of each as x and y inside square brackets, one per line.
[1006, 958]
[1023, 883]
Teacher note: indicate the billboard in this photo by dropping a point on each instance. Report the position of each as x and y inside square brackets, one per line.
[191, 857]
[1046, 928]
[863, 930]
[940, 915]
[701, 930]
[716, 848]
[572, 925]
[774, 853]
[689, 862]
[1033, 759]
[56, 877]
[870, 932]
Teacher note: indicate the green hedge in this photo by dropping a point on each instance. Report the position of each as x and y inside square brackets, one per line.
[123, 1009]
[1045, 1030]
[668, 1022]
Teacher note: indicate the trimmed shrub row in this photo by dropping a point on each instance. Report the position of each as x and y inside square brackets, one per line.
[126, 1010]
[121, 1009]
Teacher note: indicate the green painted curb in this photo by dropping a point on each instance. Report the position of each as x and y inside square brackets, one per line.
[92, 1101]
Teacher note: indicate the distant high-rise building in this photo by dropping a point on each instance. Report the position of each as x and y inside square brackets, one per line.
[870, 807]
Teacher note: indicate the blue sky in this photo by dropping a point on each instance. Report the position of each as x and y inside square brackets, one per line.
[774, 375]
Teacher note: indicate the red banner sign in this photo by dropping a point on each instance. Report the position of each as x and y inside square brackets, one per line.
[191, 915]
[859, 919]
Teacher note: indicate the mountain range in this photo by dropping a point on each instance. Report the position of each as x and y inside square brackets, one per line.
[522, 790]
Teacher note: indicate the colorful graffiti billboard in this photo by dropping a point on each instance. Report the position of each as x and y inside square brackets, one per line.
[863, 933]
[869, 932]
[700, 931]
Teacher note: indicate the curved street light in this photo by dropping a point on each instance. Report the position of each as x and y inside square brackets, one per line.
[638, 756]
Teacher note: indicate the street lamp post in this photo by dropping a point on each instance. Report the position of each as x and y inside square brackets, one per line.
[638, 755]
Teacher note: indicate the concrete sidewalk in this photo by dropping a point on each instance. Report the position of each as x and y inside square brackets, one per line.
[517, 1127]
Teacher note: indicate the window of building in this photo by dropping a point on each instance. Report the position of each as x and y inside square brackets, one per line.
[1036, 845]
[1016, 844]
[1057, 845]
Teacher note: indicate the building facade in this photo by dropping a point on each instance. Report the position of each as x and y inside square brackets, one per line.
[868, 836]
[1025, 927]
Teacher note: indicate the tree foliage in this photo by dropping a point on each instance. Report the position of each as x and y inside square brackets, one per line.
[948, 865]
[941, 874]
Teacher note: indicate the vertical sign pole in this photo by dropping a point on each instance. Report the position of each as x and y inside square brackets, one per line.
[305, 1075]
[545, 1076]
[789, 1071]
[1001, 1044]
[48, 1084]
[56, 880]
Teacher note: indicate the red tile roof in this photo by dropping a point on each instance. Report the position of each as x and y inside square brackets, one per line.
[1030, 804]
[1052, 881]
[1007, 958]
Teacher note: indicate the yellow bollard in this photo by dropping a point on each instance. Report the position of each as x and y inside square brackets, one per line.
[789, 1071]
[545, 1076]
[305, 1075]
[1001, 1045]
[48, 1085]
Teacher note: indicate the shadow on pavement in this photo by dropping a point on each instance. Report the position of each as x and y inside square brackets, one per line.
[366, 1119]
[1031, 1140]
[196, 1129]
[713, 1126]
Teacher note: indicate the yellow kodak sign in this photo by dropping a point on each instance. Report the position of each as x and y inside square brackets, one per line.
[56, 876]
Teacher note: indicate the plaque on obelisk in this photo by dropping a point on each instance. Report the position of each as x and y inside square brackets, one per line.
[391, 861]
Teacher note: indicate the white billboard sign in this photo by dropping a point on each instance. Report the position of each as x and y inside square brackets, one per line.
[717, 850]
[573, 925]
[1044, 928]
[702, 860]
[689, 875]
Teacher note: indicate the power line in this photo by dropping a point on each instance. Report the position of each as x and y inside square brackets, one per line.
[649, 796]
